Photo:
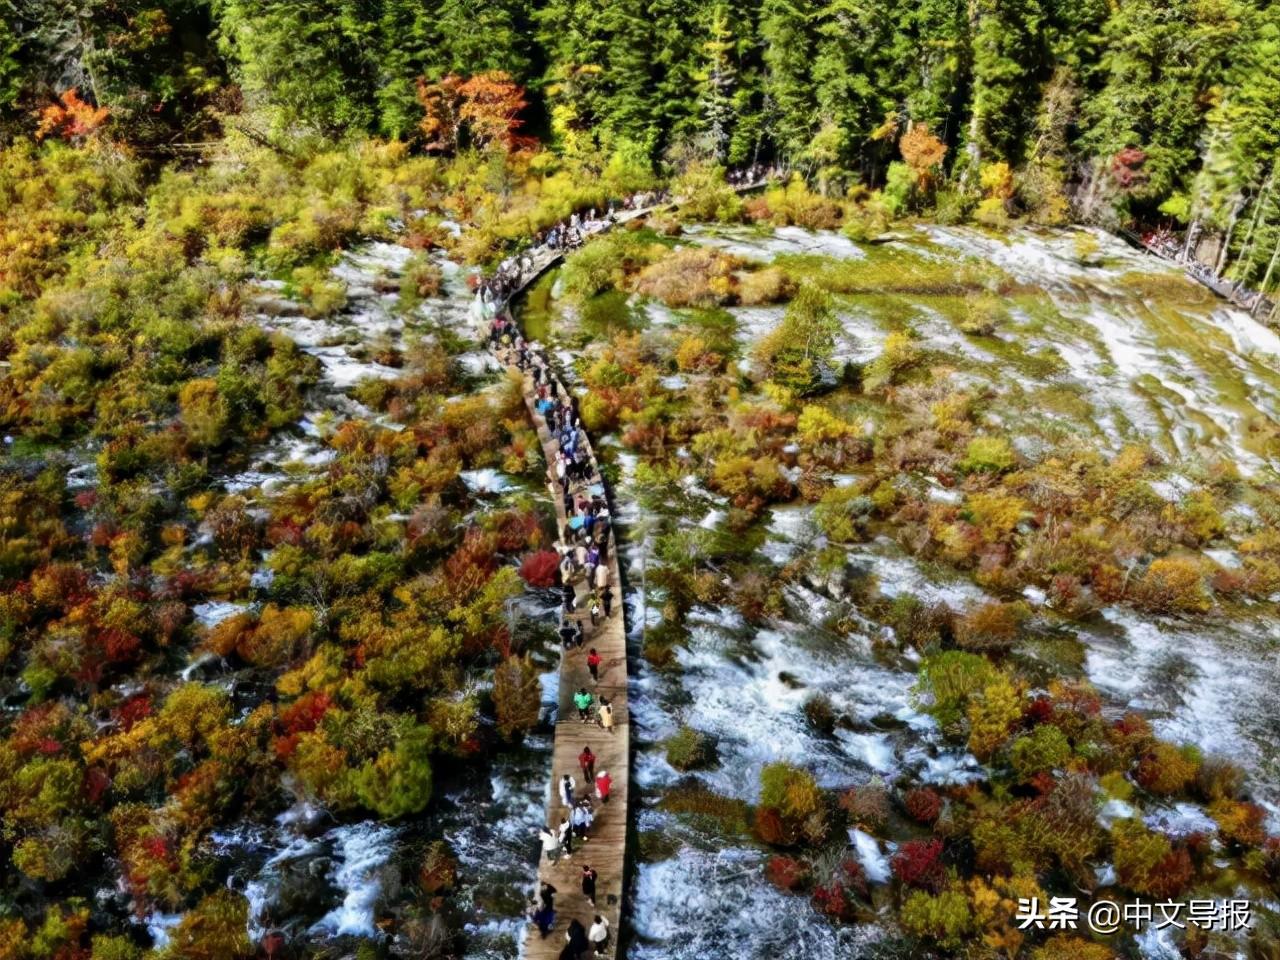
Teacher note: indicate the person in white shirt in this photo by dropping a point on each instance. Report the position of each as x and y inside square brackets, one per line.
[550, 845]
[599, 935]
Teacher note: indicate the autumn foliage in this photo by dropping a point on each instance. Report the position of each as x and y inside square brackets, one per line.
[918, 863]
[70, 118]
[539, 569]
[787, 873]
[923, 153]
[923, 804]
[486, 107]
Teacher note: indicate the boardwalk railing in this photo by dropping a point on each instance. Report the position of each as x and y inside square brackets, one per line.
[1253, 301]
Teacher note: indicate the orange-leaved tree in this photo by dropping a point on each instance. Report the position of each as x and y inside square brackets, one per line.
[488, 106]
[71, 118]
[491, 105]
[923, 152]
[440, 104]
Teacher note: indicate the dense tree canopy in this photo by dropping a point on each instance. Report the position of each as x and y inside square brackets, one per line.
[1056, 90]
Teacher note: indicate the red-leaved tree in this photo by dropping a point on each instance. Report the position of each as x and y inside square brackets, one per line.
[70, 118]
[539, 569]
[1126, 168]
[918, 863]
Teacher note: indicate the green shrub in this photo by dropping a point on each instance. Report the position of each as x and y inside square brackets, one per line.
[321, 293]
[689, 749]
[987, 455]
[789, 790]
[842, 514]
[795, 353]
[398, 781]
[604, 264]
[1045, 748]
[944, 918]
[898, 356]
[947, 681]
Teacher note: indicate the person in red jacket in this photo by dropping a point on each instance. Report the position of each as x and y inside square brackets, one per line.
[587, 761]
[593, 664]
[603, 784]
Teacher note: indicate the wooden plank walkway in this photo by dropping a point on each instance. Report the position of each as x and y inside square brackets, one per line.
[606, 848]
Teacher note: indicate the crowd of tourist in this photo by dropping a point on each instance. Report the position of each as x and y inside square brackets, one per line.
[1165, 243]
[515, 270]
[584, 579]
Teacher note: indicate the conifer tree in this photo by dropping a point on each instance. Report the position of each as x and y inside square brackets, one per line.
[788, 57]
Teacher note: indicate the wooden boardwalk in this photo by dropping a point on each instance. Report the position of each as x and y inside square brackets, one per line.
[606, 849]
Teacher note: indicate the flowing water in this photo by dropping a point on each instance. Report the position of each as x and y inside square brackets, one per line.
[1120, 352]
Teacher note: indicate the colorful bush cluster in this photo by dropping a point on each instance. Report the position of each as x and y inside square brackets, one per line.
[178, 658]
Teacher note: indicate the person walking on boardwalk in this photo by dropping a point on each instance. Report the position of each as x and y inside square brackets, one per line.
[599, 935]
[604, 783]
[593, 664]
[568, 634]
[577, 943]
[606, 715]
[606, 598]
[582, 818]
[583, 700]
[587, 761]
[595, 610]
[565, 834]
[567, 790]
[543, 909]
[543, 917]
[550, 845]
[600, 573]
[589, 878]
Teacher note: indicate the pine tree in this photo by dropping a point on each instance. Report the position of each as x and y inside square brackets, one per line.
[570, 32]
[1008, 61]
[1237, 180]
[309, 64]
[717, 80]
[788, 56]
[627, 108]
[1161, 63]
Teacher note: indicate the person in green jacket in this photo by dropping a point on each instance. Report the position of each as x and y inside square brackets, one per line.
[583, 700]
